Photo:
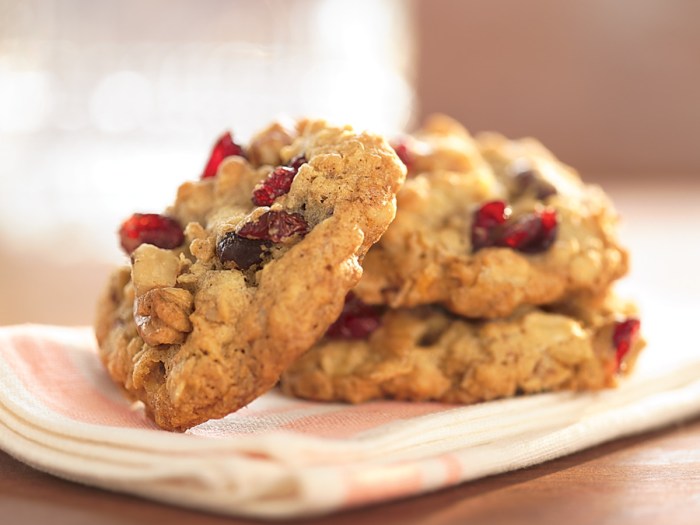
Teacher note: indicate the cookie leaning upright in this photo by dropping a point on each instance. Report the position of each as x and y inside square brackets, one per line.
[484, 226]
[200, 329]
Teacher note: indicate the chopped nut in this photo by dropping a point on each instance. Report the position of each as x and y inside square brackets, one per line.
[266, 146]
[162, 315]
[153, 268]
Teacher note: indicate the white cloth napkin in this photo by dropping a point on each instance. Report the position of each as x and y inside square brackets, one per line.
[282, 457]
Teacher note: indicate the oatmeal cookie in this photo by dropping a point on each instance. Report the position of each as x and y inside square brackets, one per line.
[427, 354]
[246, 270]
[484, 226]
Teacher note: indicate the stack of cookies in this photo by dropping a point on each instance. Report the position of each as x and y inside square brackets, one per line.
[492, 278]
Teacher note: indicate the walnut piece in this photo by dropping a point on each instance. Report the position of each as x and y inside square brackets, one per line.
[265, 147]
[162, 315]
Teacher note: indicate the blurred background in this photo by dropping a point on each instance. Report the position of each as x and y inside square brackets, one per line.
[106, 107]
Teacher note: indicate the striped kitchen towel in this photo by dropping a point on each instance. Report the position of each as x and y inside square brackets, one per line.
[281, 457]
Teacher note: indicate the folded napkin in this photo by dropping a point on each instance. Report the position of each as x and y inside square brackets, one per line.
[281, 457]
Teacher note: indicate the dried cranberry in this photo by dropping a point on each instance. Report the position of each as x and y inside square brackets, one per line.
[492, 214]
[357, 320]
[150, 228]
[224, 147]
[403, 152]
[277, 183]
[487, 219]
[531, 181]
[243, 252]
[531, 233]
[624, 335]
[297, 162]
[275, 226]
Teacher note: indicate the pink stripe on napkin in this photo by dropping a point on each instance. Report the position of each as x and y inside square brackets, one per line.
[46, 369]
[382, 483]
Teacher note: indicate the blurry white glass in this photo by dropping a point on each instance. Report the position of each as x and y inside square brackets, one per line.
[105, 107]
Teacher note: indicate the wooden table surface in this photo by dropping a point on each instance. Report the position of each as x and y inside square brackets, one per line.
[646, 479]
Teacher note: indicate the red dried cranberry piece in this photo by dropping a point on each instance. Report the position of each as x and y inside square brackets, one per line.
[150, 228]
[403, 152]
[277, 183]
[275, 226]
[224, 147]
[487, 219]
[297, 162]
[531, 233]
[357, 320]
[492, 214]
[243, 252]
[624, 335]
